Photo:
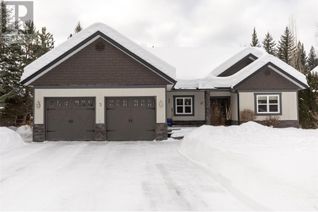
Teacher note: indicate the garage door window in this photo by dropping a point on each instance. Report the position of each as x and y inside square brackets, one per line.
[183, 105]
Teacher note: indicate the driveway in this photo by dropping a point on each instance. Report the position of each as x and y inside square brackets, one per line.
[113, 175]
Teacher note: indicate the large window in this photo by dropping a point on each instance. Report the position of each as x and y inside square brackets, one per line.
[268, 104]
[183, 105]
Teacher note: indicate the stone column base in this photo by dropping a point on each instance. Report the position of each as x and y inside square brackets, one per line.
[100, 132]
[161, 131]
[38, 132]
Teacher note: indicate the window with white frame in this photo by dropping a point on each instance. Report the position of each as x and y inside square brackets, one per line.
[267, 103]
[183, 105]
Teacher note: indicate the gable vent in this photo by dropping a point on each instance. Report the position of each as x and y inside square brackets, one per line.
[100, 46]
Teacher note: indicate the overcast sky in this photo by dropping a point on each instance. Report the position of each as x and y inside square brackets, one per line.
[192, 35]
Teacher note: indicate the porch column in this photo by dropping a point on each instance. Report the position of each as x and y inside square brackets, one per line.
[207, 108]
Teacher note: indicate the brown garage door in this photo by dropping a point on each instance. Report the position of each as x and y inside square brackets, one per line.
[130, 119]
[70, 118]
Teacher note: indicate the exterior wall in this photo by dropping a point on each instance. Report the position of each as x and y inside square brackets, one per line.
[289, 105]
[100, 94]
[91, 67]
[234, 108]
[238, 66]
[219, 93]
[266, 79]
[199, 106]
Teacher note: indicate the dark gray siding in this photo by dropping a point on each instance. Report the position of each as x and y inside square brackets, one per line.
[238, 66]
[266, 79]
[100, 64]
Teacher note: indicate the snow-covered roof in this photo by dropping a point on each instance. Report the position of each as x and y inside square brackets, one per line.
[86, 33]
[315, 70]
[231, 81]
[256, 51]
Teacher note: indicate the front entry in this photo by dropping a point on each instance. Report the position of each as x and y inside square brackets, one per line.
[130, 118]
[220, 110]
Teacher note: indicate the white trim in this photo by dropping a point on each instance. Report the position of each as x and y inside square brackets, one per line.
[62, 60]
[268, 104]
[285, 76]
[183, 105]
[82, 47]
[77, 38]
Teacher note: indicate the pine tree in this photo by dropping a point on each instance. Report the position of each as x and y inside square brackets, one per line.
[269, 44]
[286, 47]
[312, 61]
[22, 49]
[300, 58]
[255, 42]
[78, 28]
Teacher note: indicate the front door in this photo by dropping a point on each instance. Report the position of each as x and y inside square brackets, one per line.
[220, 110]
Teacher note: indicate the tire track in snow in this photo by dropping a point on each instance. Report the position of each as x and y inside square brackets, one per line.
[226, 183]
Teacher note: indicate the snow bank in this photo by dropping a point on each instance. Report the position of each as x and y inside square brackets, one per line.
[25, 132]
[9, 139]
[277, 168]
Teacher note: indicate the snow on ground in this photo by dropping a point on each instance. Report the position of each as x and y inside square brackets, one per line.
[9, 139]
[113, 176]
[274, 168]
[25, 132]
[180, 132]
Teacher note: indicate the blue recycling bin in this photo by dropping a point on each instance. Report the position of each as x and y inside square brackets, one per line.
[169, 122]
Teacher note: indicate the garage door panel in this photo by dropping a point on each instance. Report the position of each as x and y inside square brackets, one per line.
[70, 118]
[130, 118]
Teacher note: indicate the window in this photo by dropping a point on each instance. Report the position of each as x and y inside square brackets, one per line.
[267, 104]
[183, 105]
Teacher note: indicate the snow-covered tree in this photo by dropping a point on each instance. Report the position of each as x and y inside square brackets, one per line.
[312, 60]
[286, 47]
[269, 44]
[255, 42]
[300, 58]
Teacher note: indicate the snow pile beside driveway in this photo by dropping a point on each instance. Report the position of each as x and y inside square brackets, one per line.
[273, 168]
[9, 139]
[25, 132]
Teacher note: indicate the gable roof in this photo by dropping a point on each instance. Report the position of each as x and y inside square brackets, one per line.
[255, 51]
[41, 65]
[213, 82]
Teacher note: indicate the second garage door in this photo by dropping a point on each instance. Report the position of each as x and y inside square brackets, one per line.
[130, 118]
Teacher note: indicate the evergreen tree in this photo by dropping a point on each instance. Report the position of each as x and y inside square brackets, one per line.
[308, 105]
[269, 44]
[312, 61]
[286, 47]
[300, 58]
[255, 42]
[23, 48]
[78, 28]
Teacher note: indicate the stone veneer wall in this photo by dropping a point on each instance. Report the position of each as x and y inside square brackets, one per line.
[38, 132]
[207, 108]
[161, 131]
[100, 132]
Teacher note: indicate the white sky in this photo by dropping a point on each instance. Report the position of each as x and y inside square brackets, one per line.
[192, 35]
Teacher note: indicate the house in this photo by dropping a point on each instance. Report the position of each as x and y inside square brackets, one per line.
[99, 85]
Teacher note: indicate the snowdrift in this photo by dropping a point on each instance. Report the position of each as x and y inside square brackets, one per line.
[25, 132]
[275, 168]
[9, 139]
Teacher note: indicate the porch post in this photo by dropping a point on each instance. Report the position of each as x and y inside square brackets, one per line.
[207, 108]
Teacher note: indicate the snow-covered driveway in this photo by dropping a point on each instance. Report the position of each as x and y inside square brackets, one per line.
[114, 175]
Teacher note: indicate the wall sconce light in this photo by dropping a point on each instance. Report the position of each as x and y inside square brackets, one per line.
[100, 104]
[38, 104]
